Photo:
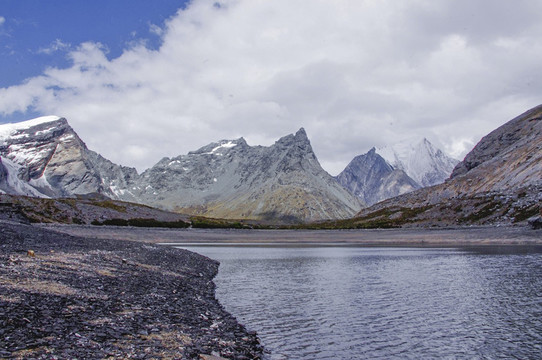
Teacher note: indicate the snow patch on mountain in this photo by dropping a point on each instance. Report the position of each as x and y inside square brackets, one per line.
[14, 184]
[225, 145]
[9, 130]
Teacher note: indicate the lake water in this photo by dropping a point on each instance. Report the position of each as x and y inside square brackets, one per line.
[381, 303]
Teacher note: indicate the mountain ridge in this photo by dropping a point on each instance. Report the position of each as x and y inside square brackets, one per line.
[283, 181]
[45, 157]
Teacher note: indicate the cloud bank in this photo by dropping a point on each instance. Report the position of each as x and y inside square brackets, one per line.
[355, 74]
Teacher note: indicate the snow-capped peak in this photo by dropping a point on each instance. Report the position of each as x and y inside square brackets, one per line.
[423, 162]
[7, 130]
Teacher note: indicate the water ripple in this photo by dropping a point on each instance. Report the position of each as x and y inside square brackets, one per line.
[359, 303]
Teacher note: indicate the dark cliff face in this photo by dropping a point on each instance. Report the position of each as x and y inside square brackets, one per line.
[372, 179]
[3, 172]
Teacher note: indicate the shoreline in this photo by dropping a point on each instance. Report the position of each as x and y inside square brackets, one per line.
[64, 296]
[435, 237]
[127, 292]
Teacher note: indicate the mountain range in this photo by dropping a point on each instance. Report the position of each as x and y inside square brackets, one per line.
[228, 179]
[498, 182]
[387, 172]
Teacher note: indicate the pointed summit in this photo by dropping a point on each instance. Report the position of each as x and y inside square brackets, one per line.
[301, 133]
[371, 178]
[299, 139]
[302, 140]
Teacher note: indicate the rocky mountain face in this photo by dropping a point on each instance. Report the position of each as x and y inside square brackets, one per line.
[391, 171]
[229, 179]
[44, 157]
[373, 179]
[500, 181]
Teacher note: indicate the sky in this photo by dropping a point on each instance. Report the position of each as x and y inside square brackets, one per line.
[140, 80]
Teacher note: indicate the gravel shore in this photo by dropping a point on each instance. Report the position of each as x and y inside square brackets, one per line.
[436, 237]
[72, 297]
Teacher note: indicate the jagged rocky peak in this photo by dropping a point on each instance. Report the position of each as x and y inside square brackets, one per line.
[13, 131]
[39, 130]
[395, 170]
[373, 179]
[230, 179]
[299, 139]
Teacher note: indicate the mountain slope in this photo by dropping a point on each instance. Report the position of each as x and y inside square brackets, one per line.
[230, 179]
[373, 179]
[500, 181]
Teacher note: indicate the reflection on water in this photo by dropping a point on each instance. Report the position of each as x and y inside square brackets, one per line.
[371, 303]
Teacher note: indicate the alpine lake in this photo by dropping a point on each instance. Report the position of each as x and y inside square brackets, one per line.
[329, 301]
[383, 294]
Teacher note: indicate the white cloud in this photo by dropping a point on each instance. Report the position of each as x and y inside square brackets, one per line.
[2, 20]
[354, 73]
[156, 30]
[57, 45]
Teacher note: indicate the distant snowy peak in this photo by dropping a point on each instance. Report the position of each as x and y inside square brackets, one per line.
[422, 161]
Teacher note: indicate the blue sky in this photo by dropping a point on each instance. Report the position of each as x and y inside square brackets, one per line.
[356, 74]
[36, 34]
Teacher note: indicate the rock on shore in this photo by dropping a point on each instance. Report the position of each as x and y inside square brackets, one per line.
[74, 297]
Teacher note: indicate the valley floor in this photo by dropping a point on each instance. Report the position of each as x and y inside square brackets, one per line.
[74, 297]
[461, 236]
